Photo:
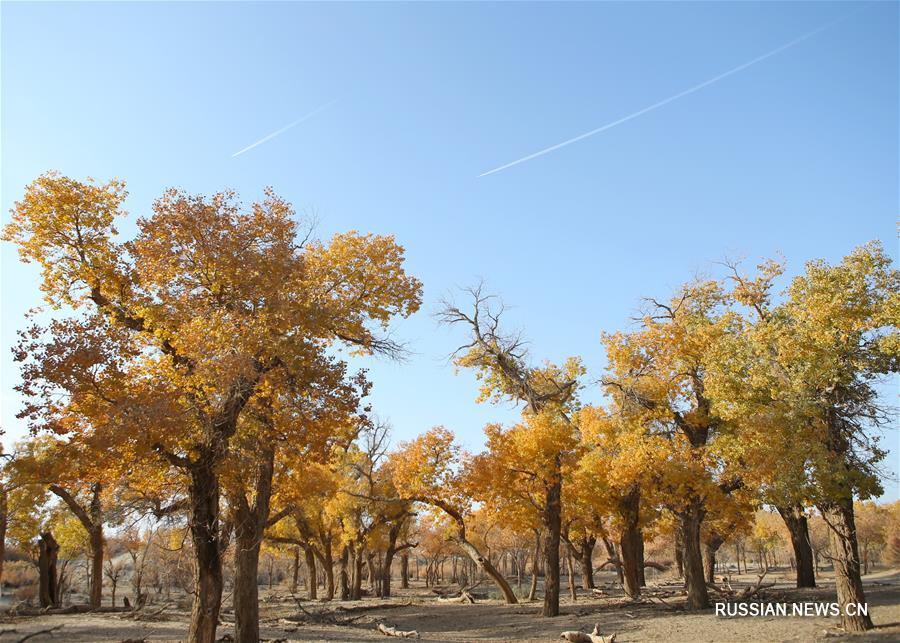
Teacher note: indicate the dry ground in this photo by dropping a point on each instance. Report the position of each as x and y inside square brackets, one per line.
[490, 620]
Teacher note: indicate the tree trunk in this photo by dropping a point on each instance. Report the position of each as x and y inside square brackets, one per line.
[587, 562]
[249, 526]
[571, 568]
[311, 574]
[47, 580]
[295, 571]
[404, 571]
[553, 527]
[207, 541]
[246, 590]
[328, 563]
[798, 527]
[697, 593]
[613, 557]
[642, 577]
[845, 555]
[532, 592]
[345, 574]
[711, 547]
[96, 543]
[92, 521]
[630, 541]
[679, 551]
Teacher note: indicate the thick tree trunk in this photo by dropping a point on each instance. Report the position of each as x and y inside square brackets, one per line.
[96, 542]
[328, 567]
[249, 526]
[345, 574]
[356, 587]
[798, 527]
[587, 562]
[630, 542]
[845, 555]
[207, 541]
[311, 574]
[404, 571]
[697, 593]
[552, 528]
[48, 550]
[246, 590]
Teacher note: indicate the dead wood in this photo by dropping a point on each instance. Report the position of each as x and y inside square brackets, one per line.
[464, 597]
[750, 592]
[393, 631]
[575, 636]
[49, 630]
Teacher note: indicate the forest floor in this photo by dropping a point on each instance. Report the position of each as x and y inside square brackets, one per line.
[419, 609]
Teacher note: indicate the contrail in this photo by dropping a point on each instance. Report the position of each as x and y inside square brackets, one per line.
[285, 128]
[666, 101]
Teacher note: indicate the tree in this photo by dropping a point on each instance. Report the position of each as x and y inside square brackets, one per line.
[428, 470]
[500, 361]
[817, 356]
[616, 477]
[215, 301]
[666, 367]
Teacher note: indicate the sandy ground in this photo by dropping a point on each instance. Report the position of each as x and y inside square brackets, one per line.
[490, 620]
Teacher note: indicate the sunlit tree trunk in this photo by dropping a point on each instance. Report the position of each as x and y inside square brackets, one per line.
[845, 555]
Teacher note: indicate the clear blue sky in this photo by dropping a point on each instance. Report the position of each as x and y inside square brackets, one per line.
[797, 153]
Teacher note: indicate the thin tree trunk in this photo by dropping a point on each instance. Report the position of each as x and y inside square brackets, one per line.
[798, 527]
[570, 564]
[679, 551]
[532, 593]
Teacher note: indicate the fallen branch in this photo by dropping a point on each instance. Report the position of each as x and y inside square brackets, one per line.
[750, 592]
[393, 631]
[575, 636]
[464, 597]
[140, 615]
[49, 630]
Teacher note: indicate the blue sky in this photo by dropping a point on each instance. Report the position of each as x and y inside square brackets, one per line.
[797, 153]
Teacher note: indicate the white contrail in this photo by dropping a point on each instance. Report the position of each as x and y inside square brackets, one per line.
[285, 128]
[668, 100]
